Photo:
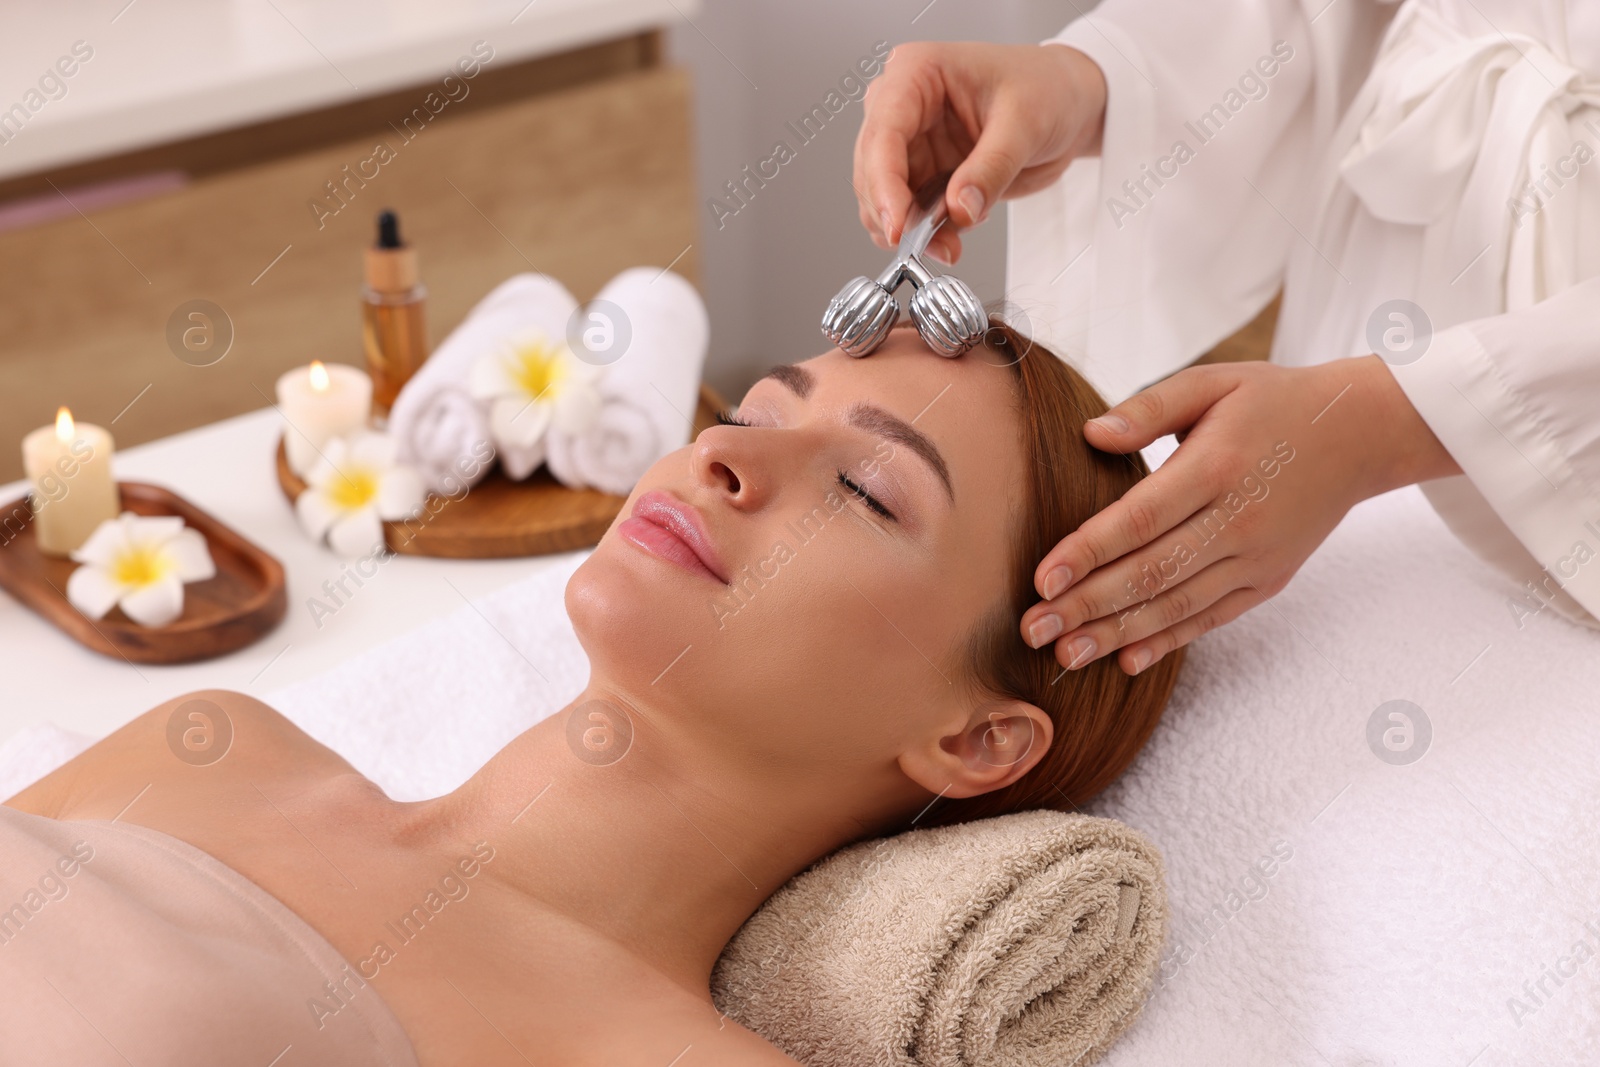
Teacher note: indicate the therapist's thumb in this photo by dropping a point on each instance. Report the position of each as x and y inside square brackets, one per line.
[1003, 149]
[1172, 405]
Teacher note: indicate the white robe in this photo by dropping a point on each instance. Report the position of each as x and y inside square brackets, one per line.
[1442, 152]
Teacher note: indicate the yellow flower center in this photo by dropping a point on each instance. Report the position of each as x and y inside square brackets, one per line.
[538, 369]
[140, 565]
[353, 488]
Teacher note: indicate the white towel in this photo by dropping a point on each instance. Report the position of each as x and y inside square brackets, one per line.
[442, 429]
[649, 394]
[34, 751]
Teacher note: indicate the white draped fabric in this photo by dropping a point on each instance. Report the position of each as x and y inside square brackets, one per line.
[1444, 153]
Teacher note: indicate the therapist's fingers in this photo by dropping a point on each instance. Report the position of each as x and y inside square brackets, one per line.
[883, 207]
[1009, 139]
[892, 119]
[1140, 655]
[1006, 120]
[945, 246]
[1152, 615]
[908, 134]
[1170, 558]
[1172, 405]
[929, 153]
[1172, 493]
[1158, 503]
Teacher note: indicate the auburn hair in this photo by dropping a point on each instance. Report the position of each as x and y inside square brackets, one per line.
[1101, 716]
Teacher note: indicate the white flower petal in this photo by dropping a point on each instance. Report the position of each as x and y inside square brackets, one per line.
[356, 534]
[156, 604]
[93, 591]
[584, 371]
[576, 408]
[514, 422]
[153, 530]
[518, 463]
[315, 512]
[400, 493]
[532, 337]
[191, 557]
[489, 376]
[373, 450]
[325, 468]
[102, 546]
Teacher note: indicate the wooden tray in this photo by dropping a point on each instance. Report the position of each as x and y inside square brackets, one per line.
[500, 517]
[237, 606]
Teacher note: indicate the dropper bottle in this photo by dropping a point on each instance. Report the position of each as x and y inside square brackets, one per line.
[394, 332]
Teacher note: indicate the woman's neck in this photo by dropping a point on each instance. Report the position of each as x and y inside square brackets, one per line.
[665, 851]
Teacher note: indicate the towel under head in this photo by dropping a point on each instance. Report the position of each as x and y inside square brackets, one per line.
[1027, 939]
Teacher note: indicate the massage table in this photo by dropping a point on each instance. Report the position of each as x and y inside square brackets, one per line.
[1335, 899]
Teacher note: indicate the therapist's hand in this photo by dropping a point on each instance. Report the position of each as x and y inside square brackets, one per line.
[1007, 119]
[1270, 460]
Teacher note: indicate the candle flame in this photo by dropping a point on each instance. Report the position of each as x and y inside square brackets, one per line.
[319, 376]
[65, 431]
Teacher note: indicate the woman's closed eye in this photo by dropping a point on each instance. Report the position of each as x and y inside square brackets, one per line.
[865, 497]
[731, 418]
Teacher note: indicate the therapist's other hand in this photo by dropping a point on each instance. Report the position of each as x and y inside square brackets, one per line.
[1270, 459]
[1007, 119]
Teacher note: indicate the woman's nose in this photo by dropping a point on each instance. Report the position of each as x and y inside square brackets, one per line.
[731, 461]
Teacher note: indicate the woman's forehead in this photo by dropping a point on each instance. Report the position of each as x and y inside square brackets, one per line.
[903, 362]
[967, 405]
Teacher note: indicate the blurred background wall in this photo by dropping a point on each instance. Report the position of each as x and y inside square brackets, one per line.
[768, 272]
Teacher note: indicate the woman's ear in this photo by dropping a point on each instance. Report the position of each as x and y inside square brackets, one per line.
[1000, 742]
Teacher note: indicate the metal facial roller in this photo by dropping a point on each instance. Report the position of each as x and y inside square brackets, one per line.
[947, 312]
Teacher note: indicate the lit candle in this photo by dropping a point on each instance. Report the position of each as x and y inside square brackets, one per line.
[73, 491]
[321, 403]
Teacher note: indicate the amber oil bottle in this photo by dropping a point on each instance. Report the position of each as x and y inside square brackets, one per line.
[394, 333]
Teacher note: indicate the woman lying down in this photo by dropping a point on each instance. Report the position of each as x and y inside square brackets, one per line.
[871, 679]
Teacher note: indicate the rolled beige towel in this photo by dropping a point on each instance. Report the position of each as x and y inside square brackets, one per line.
[1027, 940]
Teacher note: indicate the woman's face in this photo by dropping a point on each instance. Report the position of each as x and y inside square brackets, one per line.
[852, 538]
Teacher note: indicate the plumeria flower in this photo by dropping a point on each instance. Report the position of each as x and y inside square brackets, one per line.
[533, 383]
[139, 564]
[352, 489]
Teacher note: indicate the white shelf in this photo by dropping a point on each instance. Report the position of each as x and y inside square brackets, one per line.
[164, 70]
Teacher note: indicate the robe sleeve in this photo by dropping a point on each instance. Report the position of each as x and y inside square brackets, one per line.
[1515, 399]
[1179, 232]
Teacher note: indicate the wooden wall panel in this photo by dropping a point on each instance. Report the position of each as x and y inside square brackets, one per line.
[1252, 341]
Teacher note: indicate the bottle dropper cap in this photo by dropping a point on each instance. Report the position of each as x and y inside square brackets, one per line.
[391, 264]
[388, 229]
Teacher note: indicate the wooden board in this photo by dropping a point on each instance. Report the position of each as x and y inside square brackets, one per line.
[236, 607]
[500, 517]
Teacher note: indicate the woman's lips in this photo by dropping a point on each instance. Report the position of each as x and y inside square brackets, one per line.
[665, 526]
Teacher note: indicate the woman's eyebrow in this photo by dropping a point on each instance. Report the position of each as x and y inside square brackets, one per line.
[797, 378]
[873, 419]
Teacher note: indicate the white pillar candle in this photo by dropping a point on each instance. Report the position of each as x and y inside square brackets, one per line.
[320, 403]
[73, 491]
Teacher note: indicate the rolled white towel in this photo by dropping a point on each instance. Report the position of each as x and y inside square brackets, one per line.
[442, 429]
[649, 394]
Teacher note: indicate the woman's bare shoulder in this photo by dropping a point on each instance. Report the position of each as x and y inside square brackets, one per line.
[180, 738]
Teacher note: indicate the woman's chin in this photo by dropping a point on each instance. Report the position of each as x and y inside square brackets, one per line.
[632, 613]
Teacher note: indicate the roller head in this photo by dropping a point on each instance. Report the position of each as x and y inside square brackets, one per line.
[860, 317]
[948, 315]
